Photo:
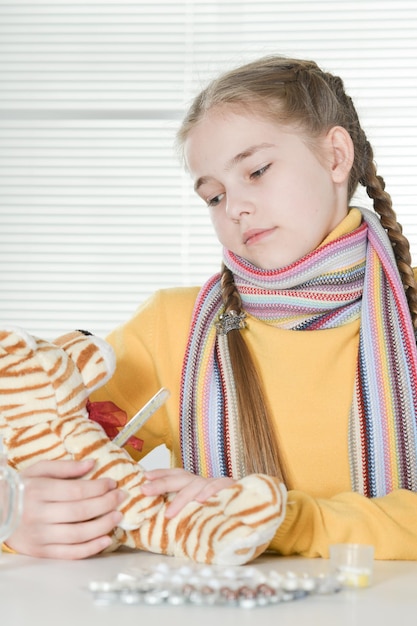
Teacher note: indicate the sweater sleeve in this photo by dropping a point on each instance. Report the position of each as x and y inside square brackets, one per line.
[311, 525]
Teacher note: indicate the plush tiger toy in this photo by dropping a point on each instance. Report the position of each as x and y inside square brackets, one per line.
[44, 389]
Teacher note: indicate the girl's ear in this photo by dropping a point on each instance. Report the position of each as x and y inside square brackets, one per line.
[341, 149]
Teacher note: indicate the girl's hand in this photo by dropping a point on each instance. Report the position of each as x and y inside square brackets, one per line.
[65, 517]
[185, 485]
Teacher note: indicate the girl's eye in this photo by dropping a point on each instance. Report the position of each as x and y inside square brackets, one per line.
[215, 200]
[260, 172]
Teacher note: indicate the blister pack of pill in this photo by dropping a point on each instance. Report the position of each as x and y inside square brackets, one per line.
[245, 587]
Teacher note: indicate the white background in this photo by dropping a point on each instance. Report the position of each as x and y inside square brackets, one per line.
[95, 211]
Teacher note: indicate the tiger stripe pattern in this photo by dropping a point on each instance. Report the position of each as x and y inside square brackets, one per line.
[44, 389]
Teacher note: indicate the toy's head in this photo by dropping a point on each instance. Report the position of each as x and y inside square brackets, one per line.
[41, 381]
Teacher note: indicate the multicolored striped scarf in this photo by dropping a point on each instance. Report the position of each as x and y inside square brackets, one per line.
[354, 276]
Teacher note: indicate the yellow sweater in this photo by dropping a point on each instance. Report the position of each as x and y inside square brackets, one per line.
[308, 378]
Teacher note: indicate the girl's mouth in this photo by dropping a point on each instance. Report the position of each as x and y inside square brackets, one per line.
[255, 235]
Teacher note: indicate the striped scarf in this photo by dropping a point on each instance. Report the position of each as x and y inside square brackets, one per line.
[354, 276]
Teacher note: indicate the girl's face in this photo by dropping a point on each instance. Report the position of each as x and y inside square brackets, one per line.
[271, 198]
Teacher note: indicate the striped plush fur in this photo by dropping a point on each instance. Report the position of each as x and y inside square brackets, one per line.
[44, 388]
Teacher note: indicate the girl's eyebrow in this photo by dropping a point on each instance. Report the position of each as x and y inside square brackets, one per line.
[246, 153]
[238, 158]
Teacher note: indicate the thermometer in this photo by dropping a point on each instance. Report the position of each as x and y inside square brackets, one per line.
[141, 417]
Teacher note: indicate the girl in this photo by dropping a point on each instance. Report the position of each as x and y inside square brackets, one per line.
[299, 359]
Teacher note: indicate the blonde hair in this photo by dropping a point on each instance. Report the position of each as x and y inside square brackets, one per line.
[298, 92]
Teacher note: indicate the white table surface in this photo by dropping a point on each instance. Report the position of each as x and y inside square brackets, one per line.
[42, 592]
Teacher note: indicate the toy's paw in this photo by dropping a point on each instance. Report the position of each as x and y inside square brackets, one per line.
[261, 506]
[234, 526]
[242, 549]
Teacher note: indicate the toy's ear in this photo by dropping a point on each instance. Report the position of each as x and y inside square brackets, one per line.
[16, 335]
[93, 357]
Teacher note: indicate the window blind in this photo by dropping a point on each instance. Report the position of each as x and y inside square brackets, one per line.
[95, 210]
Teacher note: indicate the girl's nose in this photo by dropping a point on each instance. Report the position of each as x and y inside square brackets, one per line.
[236, 206]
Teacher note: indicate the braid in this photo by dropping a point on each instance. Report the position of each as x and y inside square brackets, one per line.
[364, 172]
[375, 188]
[230, 295]
[260, 448]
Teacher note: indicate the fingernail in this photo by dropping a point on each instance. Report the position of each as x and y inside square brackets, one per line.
[169, 513]
[106, 541]
[121, 495]
[117, 517]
